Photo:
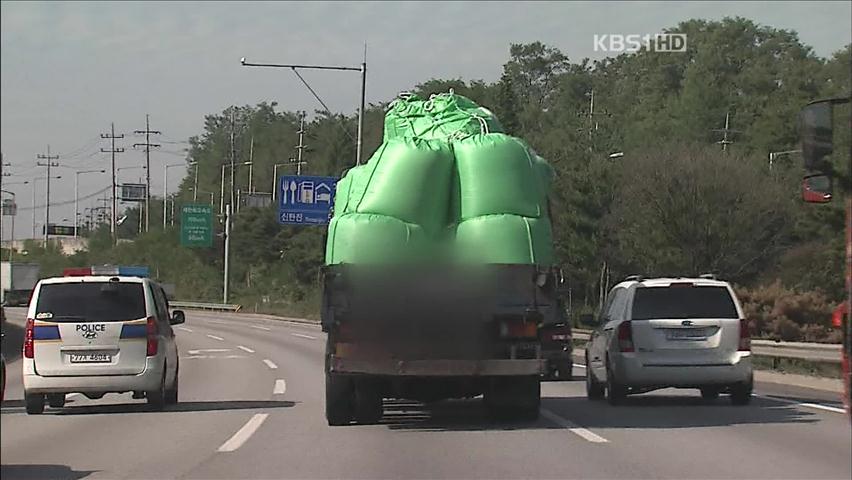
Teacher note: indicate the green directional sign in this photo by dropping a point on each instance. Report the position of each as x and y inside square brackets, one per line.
[196, 225]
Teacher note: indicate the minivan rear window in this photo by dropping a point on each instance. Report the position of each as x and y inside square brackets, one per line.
[679, 302]
[91, 302]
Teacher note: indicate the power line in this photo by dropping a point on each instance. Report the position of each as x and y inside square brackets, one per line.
[112, 151]
[66, 202]
[48, 163]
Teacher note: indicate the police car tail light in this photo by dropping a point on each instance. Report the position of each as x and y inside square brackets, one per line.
[152, 331]
[745, 337]
[28, 339]
[625, 337]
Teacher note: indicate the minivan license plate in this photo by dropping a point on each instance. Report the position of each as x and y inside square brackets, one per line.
[686, 334]
[91, 358]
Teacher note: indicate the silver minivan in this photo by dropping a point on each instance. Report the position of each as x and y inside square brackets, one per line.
[670, 332]
[94, 335]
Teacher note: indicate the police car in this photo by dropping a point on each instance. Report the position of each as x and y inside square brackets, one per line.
[100, 330]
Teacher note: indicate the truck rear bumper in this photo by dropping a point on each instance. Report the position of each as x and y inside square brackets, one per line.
[437, 368]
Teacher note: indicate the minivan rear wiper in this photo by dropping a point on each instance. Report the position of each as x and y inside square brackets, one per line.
[59, 318]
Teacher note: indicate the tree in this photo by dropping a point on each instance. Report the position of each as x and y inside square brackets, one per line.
[686, 210]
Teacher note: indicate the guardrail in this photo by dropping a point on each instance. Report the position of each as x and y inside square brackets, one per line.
[813, 352]
[218, 307]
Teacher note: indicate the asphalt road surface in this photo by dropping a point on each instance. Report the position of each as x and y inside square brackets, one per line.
[252, 401]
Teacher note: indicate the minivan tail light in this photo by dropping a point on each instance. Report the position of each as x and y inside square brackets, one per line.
[28, 339]
[152, 334]
[625, 337]
[745, 337]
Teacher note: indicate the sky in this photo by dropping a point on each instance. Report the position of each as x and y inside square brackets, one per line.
[69, 69]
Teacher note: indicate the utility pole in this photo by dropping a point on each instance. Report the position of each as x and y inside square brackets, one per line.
[2, 164]
[725, 131]
[147, 132]
[48, 163]
[195, 184]
[112, 136]
[233, 155]
[227, 251]
[590, 115]
[301, 146]
[251, 165]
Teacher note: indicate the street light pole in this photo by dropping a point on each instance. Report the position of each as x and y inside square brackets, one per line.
[362, 68]
[166, 188]
[195, 184]
[227, 251]
[774, 155]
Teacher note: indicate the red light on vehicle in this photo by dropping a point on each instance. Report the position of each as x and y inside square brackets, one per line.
[518, 329]
[77, 272]
[745, 337]
[29, 349]
[625, 337]
[152, 331]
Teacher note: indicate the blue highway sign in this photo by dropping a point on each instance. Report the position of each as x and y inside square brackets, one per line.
[305, 200]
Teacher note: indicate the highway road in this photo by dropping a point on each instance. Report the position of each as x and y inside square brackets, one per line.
[251, 406]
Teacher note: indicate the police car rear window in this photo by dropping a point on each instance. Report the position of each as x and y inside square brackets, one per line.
[91, 302]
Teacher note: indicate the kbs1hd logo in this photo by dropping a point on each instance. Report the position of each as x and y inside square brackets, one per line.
[90, 332]
[658, 42]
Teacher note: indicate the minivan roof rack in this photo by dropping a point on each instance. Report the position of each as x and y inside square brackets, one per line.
[708, 276]
[631, 278]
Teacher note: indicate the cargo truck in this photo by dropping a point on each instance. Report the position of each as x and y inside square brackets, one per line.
[17, 281]
[434, 333]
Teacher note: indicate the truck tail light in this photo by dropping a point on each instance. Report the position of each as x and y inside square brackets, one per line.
[745, 336]
[152, 333]
[518, 329]
[625, 337]
[28, 339]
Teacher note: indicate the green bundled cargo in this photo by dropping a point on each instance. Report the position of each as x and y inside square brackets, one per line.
[504, 239]
[446, 183]
[408, 179]
[495, 175]
[366, 238]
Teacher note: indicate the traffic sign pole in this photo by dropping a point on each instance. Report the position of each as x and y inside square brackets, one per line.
[227, 251]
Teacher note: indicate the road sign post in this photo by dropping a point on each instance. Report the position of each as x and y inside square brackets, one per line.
[305, 200]
[196, 225]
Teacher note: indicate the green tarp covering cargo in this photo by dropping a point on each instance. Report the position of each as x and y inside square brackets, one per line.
[445, 185]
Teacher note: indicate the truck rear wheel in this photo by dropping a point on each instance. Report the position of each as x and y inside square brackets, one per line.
[339, 399]
[514, 398]
[368, 402]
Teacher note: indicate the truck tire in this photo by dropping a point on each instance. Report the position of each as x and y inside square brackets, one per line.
[34, 403]
[709, 393]
[339, 399]
[368, 403]
[514, 398]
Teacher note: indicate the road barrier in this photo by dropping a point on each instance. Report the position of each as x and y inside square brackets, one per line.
[219, 307]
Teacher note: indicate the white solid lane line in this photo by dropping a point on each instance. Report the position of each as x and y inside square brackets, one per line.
[573, 428]
[185, 329]
[800, 404]
[214, 337]
[270, 364]
[196, 352]
[245, 349]
[244, 433]
[280, 387]
[301, 335]
[260, 328]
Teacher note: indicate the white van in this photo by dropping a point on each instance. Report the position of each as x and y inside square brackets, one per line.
[98, 334]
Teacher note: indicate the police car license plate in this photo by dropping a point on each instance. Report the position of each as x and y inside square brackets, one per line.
[91, 358]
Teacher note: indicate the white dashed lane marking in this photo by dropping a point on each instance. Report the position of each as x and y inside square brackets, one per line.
[301, 335]
[185, 329]
[214, 337]
[800, 404]
[573, 428]
[260, 328]
[280, 387]
[245, 349]
[270, 364]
